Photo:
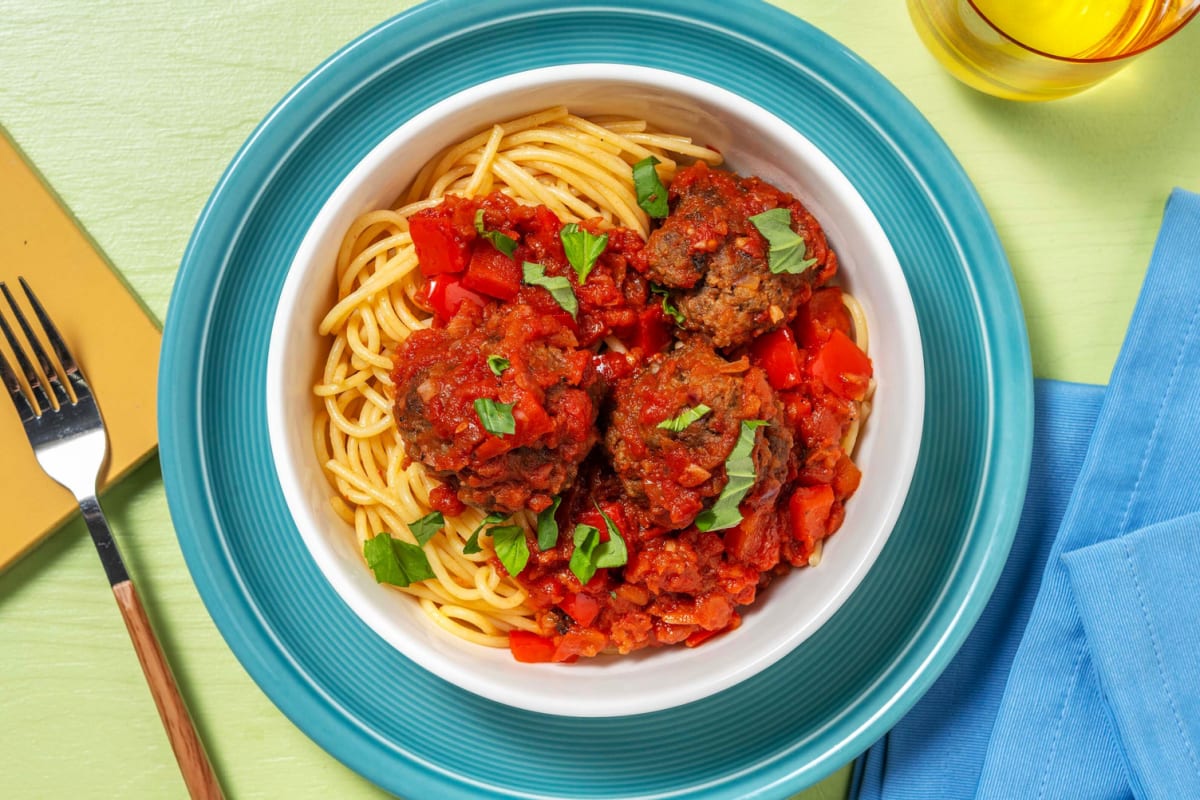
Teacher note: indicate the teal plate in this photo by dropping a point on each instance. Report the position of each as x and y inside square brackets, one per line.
[406, 729]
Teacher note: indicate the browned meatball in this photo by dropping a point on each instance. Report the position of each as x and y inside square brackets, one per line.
[672, 475]
[549, 382]
[715, 260]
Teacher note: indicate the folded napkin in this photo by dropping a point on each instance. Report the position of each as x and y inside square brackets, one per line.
[1082, 677]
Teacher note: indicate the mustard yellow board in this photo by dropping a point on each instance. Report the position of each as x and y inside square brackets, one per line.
[109, 334]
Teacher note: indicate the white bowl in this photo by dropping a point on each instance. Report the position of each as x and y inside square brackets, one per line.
[754, 142]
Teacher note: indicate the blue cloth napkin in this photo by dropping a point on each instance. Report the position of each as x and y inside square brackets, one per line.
[1082, 677]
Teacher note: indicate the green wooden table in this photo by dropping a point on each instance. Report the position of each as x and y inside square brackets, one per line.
[131, 110]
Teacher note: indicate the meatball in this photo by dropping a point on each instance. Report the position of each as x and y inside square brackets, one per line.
[671, 475]
[548, 386]
[715, 261]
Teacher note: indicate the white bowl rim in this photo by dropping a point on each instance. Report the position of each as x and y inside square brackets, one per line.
[531, 695]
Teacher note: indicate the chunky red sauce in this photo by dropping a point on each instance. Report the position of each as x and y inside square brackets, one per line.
[468, 268]
[587, 419]
[713, 258]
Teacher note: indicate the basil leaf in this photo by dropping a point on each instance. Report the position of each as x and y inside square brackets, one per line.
[381, 558]
[505, 244]
[788, 248]
[611, 553]
[582, 249]
[558, 286]
[395, 562]
[685, 418]
[496, 418]
[497, 364]
[651, 194]
[667, 306]
[412, 561]
[472, 544]
[582, 564]
[739, 470]
[592, 554]
[424, 528]
[547, 526]
[511, 548]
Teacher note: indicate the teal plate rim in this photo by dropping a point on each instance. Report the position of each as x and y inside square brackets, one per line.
[877, 658]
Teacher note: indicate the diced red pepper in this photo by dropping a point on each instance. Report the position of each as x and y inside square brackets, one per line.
[614, 511]
[777, 354]
[753, 543]
[809, 509]
[440, 248]
[530, 417]
[823, 314]
[581, 607]
[653, 332]
[702, 636]
[842, 367]
[492, 273]
[547, 223]
[445, 293]
[846, 477]
[579, 642]
[529, 648]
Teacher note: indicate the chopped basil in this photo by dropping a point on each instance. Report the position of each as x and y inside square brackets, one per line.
[611, 553]
[586, 538]
[685, 418]
[592, 554]
[558, 286]
[396, 562]
[412, 561]
[547, 526]
[739, 470]
[667, 306]
[651, 194]
[496, 418]
[472, 544]
[582, 249]
[788, 248]
[497, 364]
[511, 547]
[505, 244]
[424, 528]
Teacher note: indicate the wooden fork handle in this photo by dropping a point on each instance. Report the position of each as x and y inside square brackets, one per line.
[198, 773]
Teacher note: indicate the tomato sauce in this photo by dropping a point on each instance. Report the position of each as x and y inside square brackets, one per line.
[469, 268]
[587, 421]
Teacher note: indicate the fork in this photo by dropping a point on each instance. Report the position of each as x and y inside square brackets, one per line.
[64, 426]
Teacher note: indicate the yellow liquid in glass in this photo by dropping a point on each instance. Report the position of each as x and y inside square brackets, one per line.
[1042, 49]
[1074, 29]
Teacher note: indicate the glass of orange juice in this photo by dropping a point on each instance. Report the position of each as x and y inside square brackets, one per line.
[1043, 49]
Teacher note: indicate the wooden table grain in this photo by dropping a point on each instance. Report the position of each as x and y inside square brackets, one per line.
[132, 110]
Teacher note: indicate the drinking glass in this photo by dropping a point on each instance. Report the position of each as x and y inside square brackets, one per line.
[1043, 49]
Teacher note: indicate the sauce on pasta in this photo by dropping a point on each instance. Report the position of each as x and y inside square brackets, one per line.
[572, 428]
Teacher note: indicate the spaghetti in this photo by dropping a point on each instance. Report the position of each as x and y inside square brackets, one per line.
[580, 170]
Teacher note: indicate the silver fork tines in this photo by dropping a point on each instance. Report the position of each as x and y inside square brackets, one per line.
[51, 371]
[67, 434]
[27, 407]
